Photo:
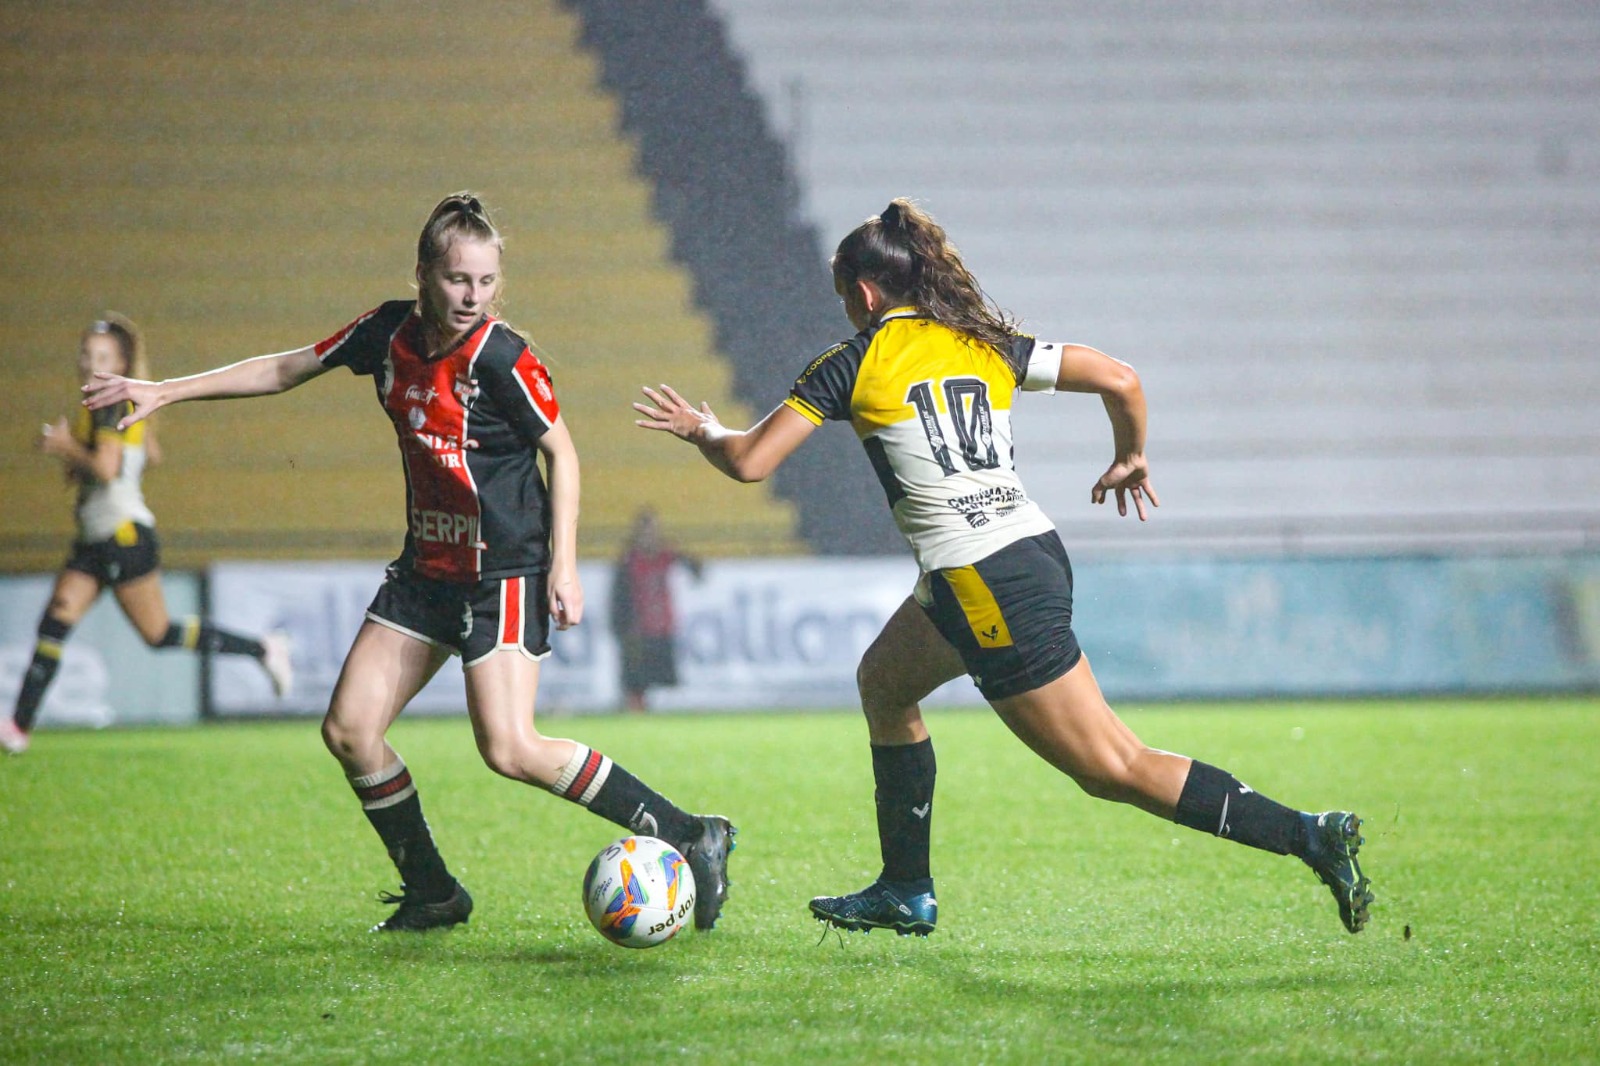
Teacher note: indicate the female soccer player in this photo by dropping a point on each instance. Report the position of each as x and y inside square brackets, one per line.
[928, 383]
[490, 556]
[116, 544]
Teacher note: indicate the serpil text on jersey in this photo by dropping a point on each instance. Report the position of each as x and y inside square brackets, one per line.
[444, 527]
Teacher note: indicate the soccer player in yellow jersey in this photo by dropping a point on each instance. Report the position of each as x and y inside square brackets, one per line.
[928, 384]
[116, 545]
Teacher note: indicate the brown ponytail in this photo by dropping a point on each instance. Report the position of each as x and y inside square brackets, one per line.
[905, 253]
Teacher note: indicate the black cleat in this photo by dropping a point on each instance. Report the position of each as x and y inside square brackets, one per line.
[413, 916]
[708, 861]
[1335, 839]
[880, 906]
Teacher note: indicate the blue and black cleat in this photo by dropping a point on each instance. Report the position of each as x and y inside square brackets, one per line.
[881, 906]
[1335, 837]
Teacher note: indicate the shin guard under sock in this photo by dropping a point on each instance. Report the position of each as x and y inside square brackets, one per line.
[41, 671]
[904, 775]
[389, 800]
[196, 635]
[1214, 801]
[592, 780]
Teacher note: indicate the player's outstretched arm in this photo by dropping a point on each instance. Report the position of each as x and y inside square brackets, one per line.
[1085, 369]
[744, 455]
[261, 376]
[565, 590]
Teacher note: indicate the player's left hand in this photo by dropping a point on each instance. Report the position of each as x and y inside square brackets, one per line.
[566, 598]
[56, 438]
[674, 414]
[1128, 476]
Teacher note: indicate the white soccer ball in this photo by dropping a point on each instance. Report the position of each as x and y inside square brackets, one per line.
[639, 892]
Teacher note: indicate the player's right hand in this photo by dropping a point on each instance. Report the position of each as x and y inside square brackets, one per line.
[107, 390]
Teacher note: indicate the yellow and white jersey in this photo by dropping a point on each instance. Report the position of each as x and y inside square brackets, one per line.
[933, 410]
[110, 508]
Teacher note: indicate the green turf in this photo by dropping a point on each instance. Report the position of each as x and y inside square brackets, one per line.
[183, 895]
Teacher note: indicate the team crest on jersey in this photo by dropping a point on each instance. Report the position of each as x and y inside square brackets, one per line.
[466, 390]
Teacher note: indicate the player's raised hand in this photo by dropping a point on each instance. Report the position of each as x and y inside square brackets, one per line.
[673, 414]
[1128, 476]
[107, 390]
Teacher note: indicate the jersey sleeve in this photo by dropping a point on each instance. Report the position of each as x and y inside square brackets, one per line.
[364, 343]
[523, 392]
[822, 392]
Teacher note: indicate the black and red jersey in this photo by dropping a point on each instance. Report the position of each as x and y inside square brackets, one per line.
[468, 421]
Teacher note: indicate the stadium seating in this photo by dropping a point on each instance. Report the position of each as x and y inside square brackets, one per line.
[247, 179]
[1350, 249]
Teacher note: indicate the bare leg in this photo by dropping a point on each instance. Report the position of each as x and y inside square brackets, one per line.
[143, 601]
[907, 660]
[384, 670]
[1069, 724]
[501, 692]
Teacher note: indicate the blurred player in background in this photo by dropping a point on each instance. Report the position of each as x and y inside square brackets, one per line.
[491, 555]
[643, 615]
[928, 384]
[116, 544]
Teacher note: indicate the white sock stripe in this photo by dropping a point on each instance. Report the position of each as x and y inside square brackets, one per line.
[569, 772]
[389, 801]
[600, 776]
[388, 773]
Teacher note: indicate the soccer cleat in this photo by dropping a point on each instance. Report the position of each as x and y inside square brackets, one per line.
[879, 906]
[708, 861]
[276, 662]
[413, 916]
[1335, 839]
[13, 738]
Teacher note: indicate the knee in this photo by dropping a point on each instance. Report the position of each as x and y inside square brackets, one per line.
[877, 701]
[343, 741]
[528, 760]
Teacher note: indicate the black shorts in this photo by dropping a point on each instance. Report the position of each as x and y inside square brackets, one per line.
[474, 620]
[131, 553]
[1009, 615]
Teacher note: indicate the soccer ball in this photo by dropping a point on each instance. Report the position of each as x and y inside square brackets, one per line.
[639, 892]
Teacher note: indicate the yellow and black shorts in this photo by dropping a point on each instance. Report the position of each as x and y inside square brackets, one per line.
[1009, 615]
[131, 553]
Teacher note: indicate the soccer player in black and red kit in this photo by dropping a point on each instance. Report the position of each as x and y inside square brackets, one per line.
[490, 557]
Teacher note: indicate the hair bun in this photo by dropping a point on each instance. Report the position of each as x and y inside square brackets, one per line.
[893, 217]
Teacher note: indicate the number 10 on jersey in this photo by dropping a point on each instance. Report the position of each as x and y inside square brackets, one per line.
[966, 412]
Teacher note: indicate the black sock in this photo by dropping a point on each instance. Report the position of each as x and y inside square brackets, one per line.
[196, 635]
[41, 671]
[591, 780]
[389, 800]
[904, 774]
[1214, 801]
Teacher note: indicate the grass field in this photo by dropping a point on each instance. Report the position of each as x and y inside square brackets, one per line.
[203, 895]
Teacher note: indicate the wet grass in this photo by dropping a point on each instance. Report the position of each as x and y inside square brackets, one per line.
[203, 895]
